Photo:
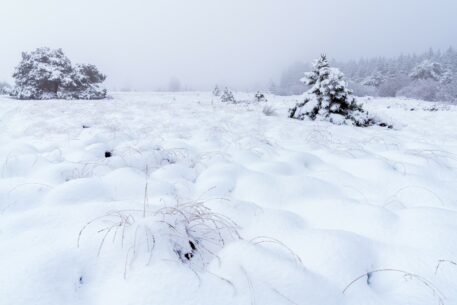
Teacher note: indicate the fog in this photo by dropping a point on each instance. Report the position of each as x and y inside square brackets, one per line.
[142, 44]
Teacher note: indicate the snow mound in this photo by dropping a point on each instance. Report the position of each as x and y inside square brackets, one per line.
[170, 198]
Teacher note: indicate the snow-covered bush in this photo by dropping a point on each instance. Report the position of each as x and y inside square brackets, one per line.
[5, 88]
[329, 99]
[260, 97]
[48, 74]
[227, 96]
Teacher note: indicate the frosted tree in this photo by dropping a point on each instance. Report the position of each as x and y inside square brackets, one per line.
[227, 96]
[40, 74]
[329, 98]
[5, 88]
[83, 83]
[428, 70]
[389, 77]
[431, 82]
[374, 80]
[260, 97]
[48, 74]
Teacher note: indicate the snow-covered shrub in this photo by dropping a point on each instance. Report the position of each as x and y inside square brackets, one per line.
[5, 88]
[48, 74]
[189, 232]
[329, 99]
[227, 96]
[260, 97]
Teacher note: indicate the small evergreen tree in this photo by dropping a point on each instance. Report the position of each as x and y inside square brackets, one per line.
[260, 97]
[329, 99]
[48, 74]
[227, 96]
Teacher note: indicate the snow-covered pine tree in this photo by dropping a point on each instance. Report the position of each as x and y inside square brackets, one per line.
[329, 98]
[428, 70]
[48, 74]
[227, 96]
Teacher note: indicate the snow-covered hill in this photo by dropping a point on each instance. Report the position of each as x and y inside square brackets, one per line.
[177, 199]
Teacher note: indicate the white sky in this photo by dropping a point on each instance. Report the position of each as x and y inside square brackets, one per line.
[143, 43]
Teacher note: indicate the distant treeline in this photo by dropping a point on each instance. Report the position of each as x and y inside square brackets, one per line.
[429, 76]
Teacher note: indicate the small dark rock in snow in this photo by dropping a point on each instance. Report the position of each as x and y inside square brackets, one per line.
[108, 154]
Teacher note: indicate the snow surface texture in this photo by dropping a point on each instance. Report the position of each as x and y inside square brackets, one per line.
[315, 205]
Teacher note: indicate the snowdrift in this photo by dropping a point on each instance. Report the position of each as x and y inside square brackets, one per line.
[157, 198]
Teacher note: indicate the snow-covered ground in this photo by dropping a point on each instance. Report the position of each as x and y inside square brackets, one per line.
[205, 203]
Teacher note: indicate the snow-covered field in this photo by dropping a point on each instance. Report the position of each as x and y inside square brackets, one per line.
[205, 203]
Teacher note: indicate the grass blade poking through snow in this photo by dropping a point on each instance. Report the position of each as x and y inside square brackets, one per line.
[436, 293]
[189, 233]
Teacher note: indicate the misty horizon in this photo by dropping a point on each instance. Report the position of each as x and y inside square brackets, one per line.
[143, 46]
